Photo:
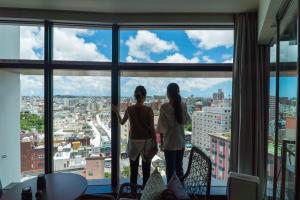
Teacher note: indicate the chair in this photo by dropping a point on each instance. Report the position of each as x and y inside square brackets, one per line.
[134, 191]
[197, 179]
[97, 197]
[131, 191]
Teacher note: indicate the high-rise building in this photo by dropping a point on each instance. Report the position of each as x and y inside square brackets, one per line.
[272, 108]
[209, 120]
[218, 95]
[219, 154]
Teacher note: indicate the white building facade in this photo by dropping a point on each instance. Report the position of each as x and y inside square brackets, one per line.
[209, 120]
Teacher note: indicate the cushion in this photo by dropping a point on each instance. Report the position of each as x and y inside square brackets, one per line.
[168, 195]
[154, 187]
[176, 186]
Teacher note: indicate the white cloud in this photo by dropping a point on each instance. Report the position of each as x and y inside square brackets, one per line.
[145, 43]
[158, 85]
[31, 42]
[132, 59]
[288, 52]
[197, 53]
[70, 45]
[32, 85]
[230, 60]
[207, 59]
[179, 58]
[209, 39]
[227, 58]
[82, 85]
[67, 85]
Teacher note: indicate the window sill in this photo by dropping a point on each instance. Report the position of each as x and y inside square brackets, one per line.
[102, 186]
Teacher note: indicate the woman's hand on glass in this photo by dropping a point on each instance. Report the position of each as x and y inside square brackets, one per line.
[114, 108]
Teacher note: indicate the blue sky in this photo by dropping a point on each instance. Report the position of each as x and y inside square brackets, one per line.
[167, 46]
[287, 87]
[164, 46]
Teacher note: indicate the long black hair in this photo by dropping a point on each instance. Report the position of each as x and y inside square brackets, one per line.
[140, 92]
[174, 93]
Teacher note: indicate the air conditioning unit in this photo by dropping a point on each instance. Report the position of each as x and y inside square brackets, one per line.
[242, 187]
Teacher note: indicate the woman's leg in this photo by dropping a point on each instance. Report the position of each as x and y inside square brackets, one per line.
[170, 157]
[146, 165]
[134, 169]
[179, 163]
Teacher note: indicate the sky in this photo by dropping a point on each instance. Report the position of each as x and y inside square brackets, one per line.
[139, 46]
[286, 87]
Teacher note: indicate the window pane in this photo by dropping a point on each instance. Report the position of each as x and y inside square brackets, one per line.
[271, 131]
[208, 99]
[287, 123]
[176, 46]
[21, 42]
[82, 44]
[21, 124]
[82, 117]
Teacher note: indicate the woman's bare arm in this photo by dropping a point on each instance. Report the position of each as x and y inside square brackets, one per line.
[152, 125]
[121, 120]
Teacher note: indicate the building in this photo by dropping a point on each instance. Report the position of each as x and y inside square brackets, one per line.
[219, 154]
[94, 168]
[32, 158]
[272, 108]
[218, 95]
[209, 120]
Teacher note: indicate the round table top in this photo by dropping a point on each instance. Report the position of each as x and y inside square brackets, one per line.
[59, 186]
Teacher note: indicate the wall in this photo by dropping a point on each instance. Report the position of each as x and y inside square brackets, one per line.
[267, 12]
[9, 127]
[9, 108]
[124, 18]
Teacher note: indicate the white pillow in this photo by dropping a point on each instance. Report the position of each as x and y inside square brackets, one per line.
[154, 187]
[176, 186]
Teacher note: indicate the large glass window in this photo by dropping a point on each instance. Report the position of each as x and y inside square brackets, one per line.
[21, 42]
[82, 44]
[287, 122]
[81, 96]
[272, 115]
[208, 99]
[21, 124]
[81, 123]
[176, 46]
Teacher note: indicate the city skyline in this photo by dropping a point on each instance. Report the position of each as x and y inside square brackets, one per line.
[32, 85]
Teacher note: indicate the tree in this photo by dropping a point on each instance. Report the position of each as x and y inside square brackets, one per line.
[126, 171]
[188, 127]
[31, 121]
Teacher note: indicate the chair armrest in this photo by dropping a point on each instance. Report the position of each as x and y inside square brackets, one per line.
[168, 194]
[97, 196]
[128, 190]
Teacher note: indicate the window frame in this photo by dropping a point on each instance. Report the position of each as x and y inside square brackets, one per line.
[115, 66]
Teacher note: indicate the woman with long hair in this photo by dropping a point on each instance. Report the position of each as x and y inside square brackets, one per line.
[142, 138]
[173, 116]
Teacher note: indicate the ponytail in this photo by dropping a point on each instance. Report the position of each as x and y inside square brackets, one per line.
[173, 92]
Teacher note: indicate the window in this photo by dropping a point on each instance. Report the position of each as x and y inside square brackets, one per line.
[82, 121]
[82, 44]
[21, 42]
[79, 79]
[271, 128]
[21, 124]
[287, 119]
[176, 46]
[197, 88]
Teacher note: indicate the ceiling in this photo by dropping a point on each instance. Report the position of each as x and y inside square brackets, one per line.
[137, 6]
